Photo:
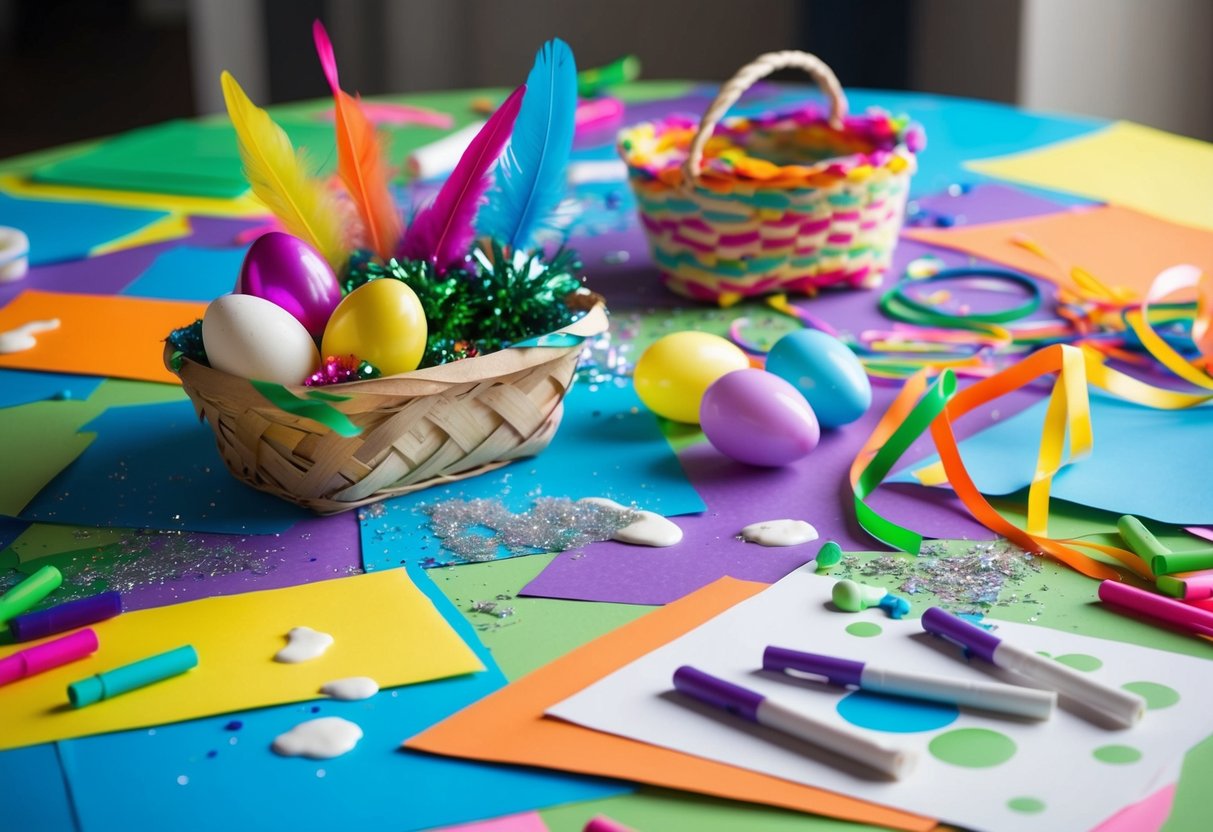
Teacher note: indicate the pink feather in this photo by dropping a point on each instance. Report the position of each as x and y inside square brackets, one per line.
[442, 232]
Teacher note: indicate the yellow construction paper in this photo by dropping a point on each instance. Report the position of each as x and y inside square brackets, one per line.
[1129, 164]
[382, 625]
[172, 227]
[244, 206]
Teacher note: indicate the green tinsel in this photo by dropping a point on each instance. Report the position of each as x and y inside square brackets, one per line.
[496, 302]
[187, 343]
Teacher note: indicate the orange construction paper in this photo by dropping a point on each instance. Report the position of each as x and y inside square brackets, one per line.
[509, 726]
[1119, 246]
[98, 335]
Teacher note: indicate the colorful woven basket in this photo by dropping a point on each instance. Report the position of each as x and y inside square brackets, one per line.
[413, 430]
[789, 201]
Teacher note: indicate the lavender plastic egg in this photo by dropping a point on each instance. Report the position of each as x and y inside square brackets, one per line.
[758, 418]
[289, 273]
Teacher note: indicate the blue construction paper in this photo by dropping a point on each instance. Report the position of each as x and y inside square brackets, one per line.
[10, 530]
[208, 774]
[608, 445]
[190, 273]
[35, 792]
[25, 386]
[61, 231]
[155, 466]
[1146, 462]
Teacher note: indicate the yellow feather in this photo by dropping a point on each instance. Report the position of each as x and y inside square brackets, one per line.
[280, 179]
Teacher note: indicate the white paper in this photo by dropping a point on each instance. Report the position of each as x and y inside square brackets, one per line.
[1053, 762]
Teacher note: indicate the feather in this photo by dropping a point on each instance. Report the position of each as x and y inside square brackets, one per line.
[279, 177]
[442, 232]
[531, 176]
[360, 157]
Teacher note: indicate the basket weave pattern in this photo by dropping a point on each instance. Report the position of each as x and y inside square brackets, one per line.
[726, 218]
[419, 429]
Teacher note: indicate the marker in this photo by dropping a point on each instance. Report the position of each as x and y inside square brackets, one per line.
[850, 596]
[1144, 544]
[596, 113]
[44, 657]
[440, 157]
[1120, 706]
[590, 81]
[69, 616]
[130, 677]
[1127, 598]
[1173, 562]
[755, 707]
[29, 592]
[988, 696]
[601, 823]
[1197, 586]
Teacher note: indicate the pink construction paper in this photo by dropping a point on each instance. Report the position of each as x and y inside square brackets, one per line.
[1147, 815]
[525, 822]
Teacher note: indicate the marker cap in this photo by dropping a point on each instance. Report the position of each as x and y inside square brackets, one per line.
[43, 657]
[725, 695]
[836, 671]
[132, 676]
[64, 617]
[977, 641]
[29, 592]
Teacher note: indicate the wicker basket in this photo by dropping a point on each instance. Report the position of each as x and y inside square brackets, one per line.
[418, 429]
[789, 201]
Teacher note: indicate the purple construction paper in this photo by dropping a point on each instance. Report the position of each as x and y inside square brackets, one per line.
[109, 274]
[981, 204]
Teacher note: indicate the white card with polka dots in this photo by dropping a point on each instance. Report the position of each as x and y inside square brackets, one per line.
[974, 768]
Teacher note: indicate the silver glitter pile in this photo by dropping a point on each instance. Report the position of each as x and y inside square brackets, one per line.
[973, 581]
[607, 358]
[477, 530]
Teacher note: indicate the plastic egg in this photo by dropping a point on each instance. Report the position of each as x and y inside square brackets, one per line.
[250, 337]
[381, 322]
[756, 417]
[673, 373]
[826, 373]
[287, 271]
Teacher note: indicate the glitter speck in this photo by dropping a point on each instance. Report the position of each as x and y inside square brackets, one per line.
[182, 780]
[321, 772]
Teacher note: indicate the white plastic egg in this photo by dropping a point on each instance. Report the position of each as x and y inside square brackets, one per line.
[251, 337]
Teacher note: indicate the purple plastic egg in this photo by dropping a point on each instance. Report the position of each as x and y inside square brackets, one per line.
[756, 417]
[288, 272]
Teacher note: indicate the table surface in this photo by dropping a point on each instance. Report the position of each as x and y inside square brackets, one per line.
[539, 630]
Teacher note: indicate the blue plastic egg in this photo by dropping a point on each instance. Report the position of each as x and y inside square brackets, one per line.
[826, 373]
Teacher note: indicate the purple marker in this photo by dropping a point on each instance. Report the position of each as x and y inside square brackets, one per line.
[64, 617]
[755, 707]
[1120, 706]
[989, 696]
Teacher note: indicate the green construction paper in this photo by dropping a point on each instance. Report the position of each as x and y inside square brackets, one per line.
[37, 441]
[114, 392]
[540, 630]
[45, 540]
[1190, 810]
[650, 809]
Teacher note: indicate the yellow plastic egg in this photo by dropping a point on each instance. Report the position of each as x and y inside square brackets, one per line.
[673, 373]
[381, 322]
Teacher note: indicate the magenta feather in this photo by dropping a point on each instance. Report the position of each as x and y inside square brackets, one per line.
[442, 232]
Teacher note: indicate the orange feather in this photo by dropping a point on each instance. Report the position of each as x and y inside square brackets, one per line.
[360, 158]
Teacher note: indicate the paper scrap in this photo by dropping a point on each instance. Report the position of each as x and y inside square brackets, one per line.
[37, 441]
[60, 231]
[190, 273]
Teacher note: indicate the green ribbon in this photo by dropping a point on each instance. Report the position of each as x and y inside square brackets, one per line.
[313, 407]
[898, 305]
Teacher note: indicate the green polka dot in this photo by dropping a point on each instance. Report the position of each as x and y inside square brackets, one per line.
[1117, 754]
[1157, 696]
[1080, 661]
[1026, 805]
[973, 747]
[864, 629]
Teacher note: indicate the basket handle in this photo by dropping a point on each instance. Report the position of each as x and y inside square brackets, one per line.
[759, 68]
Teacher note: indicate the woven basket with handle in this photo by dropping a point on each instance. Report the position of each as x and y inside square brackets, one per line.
[418, 429]
[788, 201]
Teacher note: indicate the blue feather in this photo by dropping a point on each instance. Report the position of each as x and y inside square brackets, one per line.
[530, 179]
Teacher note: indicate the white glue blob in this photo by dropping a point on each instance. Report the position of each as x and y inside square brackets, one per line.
[303, 644]
[22, 338]
[354, 687]
[651, 529]
[318, 739]
[779, 533]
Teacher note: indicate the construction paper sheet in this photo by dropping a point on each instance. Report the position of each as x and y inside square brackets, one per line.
[528, 822]
[196, 206]
[98, 334]
[236, 638]
[989, 202]
[509, 725]
[37, 441]
[155, 569]
[1124, 163]
[1145, 462]
[190, 273]
[172, 227]
[10, 530]
[1119, 246]
[1147, 815]
[739, 494]
[156, 467]
[35, 774]
[21, 387]
[229, 770]
[178, 157]
[973, 769]
[60, 231]
[607, 445]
